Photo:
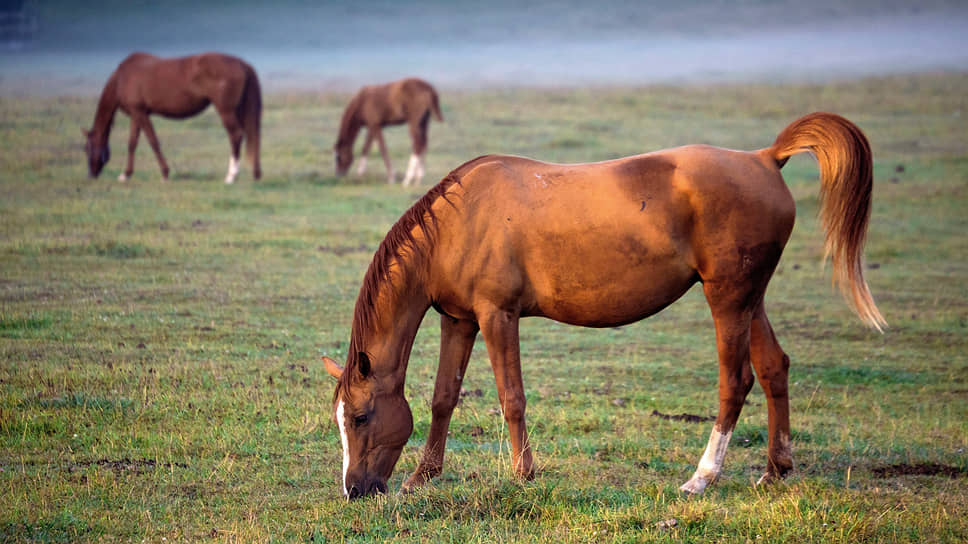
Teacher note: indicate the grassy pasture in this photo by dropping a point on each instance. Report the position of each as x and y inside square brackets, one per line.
[160, 343]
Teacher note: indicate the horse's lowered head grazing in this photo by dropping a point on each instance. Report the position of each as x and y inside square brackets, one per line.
[97, 151]
[374, 423]
[411, 101]
[343, 156]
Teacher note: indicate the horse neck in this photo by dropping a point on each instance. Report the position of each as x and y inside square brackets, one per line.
[387, 335]
[106, 107]
[350, 125]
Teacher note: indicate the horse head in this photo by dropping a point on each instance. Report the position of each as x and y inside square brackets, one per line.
[374, 422]
[97, 151]
[343, 156]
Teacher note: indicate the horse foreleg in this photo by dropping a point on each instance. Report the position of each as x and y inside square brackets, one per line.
[456, 343]
[132, 145]
[234, 128]
[153, 141]
[378, 134]
[772, 368]
[361, 168]
[735, 381]
[500, 330]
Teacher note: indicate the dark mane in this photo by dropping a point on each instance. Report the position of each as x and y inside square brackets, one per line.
[399, 238]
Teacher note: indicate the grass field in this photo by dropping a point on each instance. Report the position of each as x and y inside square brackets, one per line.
[159, 343]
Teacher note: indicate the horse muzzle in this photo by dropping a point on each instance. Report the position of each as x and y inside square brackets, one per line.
[365, 488]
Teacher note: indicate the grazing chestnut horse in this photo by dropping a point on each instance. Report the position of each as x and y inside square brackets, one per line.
[178, 88]
[408, 101]
[596, 245]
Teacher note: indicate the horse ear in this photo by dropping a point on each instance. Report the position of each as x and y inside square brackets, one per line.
[363, 363]
[334, 369]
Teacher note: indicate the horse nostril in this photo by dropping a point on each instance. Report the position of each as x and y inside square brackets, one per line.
[354, 492]
[377, 487]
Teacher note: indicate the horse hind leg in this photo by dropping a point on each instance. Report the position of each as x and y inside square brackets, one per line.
[418, 136]
[412, 167]
[772, 369]
[735, 381]
[234, 128]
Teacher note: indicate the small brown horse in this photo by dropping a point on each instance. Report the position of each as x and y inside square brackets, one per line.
[597, 245]
[410, 101]
[178, 88]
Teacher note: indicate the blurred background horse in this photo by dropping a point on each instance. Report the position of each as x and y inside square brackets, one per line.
[178, 88]
[410, 101]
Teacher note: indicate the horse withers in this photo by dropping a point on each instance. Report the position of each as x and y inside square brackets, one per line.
[178, 88]
[596, 245]
[410, 101]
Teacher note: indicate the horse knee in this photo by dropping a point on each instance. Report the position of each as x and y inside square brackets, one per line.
[443, 406]
[738, 385]
[514, 407]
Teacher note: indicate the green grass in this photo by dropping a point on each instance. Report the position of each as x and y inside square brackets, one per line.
[159, 343]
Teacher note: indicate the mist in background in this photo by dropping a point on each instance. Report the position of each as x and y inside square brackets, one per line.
[61, 47]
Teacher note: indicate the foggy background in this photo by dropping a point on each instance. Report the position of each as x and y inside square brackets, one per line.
[62, 47]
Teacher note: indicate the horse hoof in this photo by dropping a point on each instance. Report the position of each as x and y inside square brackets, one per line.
[768, 478]
[695, 486]
[123, 177]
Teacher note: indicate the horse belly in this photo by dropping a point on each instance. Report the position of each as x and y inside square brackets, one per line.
[179, 105]
[607, 284]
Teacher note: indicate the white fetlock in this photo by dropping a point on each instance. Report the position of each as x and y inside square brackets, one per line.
[420, 170]
[123, 177]
[233, 170]
[711, 463]
[411, 170]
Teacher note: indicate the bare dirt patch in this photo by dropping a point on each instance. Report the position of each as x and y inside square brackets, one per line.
[125, 464]
[690, 418]
[920, 469]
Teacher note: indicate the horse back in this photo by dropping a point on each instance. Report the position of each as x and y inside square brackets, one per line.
[600, 244]
[396, 102]
[182, 86]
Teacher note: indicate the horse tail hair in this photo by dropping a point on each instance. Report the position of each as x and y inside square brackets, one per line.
[435, 106]
[251, 114]
[846, 180]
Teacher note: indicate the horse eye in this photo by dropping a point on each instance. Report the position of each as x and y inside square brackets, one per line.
[360, 420]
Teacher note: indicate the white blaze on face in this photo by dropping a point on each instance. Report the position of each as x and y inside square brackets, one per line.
[341, 421]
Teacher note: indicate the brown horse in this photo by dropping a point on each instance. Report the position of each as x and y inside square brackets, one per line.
[410, 101]
[597, 245]
[178, 88]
